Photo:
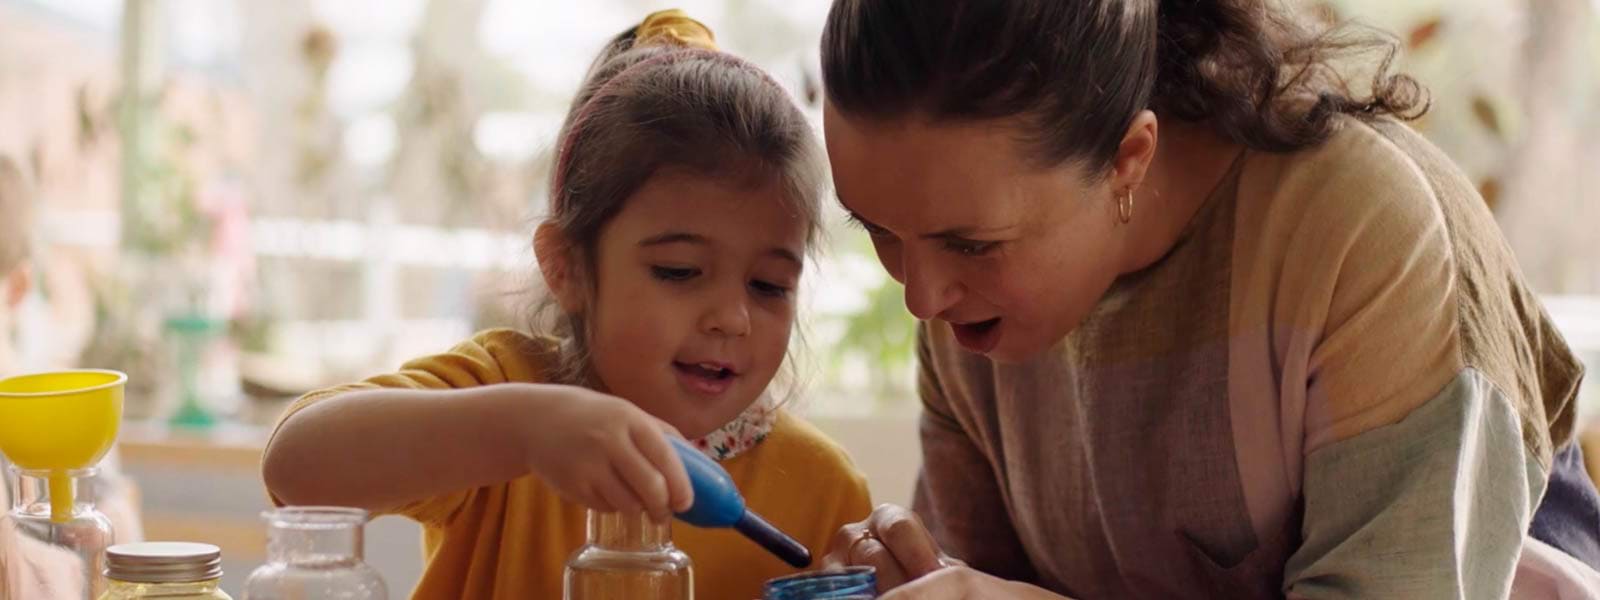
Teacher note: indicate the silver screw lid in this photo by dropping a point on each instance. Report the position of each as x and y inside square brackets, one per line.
[163, 562]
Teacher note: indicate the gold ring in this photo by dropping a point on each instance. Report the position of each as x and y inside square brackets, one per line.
[866, 534]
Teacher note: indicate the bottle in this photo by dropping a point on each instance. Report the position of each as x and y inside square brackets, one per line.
[841, 584]
[314, 553]
[166, 570]
[79, 529]
[628, 557]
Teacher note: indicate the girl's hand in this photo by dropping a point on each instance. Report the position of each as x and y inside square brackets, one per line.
[605, 453]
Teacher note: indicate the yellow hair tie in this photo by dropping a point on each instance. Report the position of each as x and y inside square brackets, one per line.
[673, 27]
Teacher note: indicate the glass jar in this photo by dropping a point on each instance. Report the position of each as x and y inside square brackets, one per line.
[849, 582]
[314, 553]
[167, 570]
[82, 530]
[628, 557]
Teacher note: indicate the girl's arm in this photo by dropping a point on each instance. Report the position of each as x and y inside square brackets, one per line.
[382, 448]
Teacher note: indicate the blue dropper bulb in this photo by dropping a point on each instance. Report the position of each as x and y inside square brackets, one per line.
[717, 504]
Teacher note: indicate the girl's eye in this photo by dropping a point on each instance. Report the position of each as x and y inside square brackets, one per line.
[772, 290]
[969, 247]
[674, 273]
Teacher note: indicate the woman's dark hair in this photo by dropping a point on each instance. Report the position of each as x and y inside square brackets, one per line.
[1079, 71]
[651, 106]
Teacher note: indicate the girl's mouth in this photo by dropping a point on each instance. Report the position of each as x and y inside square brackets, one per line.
[705, 378]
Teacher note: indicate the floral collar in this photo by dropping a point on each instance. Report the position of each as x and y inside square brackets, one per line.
[744, 432]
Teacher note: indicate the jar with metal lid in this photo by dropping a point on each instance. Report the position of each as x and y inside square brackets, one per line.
[166, 570]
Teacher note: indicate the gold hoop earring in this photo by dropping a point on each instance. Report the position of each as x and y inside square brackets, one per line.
[1125, 207]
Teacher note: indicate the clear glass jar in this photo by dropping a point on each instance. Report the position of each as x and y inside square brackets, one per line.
[314, 553]
[628, 557]
[840, 584]
[166, 570]
[83, 530]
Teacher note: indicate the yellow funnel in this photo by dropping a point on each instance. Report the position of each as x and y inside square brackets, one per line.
[60, 422]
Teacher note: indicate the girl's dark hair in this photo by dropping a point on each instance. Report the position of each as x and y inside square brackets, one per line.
[654, 106]
[1079, 71]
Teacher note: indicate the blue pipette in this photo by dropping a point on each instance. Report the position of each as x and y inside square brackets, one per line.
[717, 503]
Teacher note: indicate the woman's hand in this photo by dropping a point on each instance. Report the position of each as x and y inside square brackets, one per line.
[912, 566]
[962, 583]
[605, 453]
[893, 541]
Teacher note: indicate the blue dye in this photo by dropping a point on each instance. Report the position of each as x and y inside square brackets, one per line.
[849, 583]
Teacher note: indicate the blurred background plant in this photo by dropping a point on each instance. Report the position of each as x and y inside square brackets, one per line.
[343, 184]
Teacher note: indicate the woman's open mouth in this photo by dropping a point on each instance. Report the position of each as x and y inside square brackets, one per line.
[979, 337]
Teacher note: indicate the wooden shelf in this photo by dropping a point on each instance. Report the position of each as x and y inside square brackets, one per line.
[226, 448]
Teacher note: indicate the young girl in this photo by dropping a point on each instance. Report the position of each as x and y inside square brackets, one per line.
[30, 568]
[16, 276]
[684, 197]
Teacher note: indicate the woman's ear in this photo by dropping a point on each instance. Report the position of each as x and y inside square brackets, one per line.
[1135, 153]
[556, 256]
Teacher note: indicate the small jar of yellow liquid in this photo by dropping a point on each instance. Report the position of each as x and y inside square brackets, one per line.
[628, 557]
[166, 570]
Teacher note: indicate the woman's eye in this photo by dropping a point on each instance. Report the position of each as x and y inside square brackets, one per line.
[970, 248]
[674, 273]
[872, 230]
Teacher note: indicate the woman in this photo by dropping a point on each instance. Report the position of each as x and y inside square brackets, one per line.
[1200, 318]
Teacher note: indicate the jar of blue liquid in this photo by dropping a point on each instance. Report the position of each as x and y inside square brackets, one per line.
[842, 584]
